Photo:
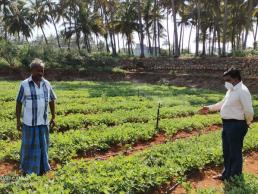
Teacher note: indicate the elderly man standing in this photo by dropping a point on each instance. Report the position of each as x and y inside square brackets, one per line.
[35, 95]
[237, 114]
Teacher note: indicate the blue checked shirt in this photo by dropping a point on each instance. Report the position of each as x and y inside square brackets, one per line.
[35, 101]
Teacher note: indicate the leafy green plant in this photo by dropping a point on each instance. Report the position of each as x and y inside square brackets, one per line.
[8, 52]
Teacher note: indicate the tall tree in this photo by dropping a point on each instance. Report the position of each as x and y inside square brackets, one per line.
[255, 27]
[249, 7]
[5, 9]
[40, 15]
[176, 43]
[19, 22]
[128, 22]
[141, 27]
[225, 21]
[55, 17]
[198, 21]
[148, 18]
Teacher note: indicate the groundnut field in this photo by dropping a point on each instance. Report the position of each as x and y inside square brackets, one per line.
[123, 137]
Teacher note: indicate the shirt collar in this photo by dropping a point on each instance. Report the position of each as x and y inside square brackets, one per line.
[41, 82]
[30, 79]
[239, 85]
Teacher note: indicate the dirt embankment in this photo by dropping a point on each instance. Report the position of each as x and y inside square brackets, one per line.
[200, 73]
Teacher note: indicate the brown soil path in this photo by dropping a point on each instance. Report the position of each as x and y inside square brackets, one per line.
[203, 179]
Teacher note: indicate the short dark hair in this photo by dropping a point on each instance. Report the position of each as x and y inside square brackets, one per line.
[234, 73]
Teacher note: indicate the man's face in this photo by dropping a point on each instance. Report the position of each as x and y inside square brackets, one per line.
[229, 79]
[37, 72]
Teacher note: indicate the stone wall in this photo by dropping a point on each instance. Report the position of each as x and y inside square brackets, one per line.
[211, 67]
[248, 66]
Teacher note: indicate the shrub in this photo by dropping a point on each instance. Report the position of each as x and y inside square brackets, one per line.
[8, 52]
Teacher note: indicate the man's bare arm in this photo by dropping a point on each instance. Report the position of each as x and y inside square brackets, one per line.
[18, 115]
[53, 113]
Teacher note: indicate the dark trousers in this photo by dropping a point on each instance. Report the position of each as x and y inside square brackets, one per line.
[233, 135]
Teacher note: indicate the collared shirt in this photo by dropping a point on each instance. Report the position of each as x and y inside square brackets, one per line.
[237, 104]
[35, 100]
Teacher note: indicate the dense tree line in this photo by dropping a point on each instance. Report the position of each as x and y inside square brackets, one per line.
[217, 23]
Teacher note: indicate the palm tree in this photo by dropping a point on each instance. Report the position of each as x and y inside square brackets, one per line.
[207, 21]
[155, 10]
[217, 23]
[139, 9]
[159, 17]
[177, 49]
[255, 30]
[108, 12]
[86, 23]
[237, 24]
[225, 20]
[68, 10]
[186, 14]
[101, 6]
[148, 18]
[113, 6]
[4, 7]
[89, 22]
[189, 19]
[40, 15]
[19, 20]
[249, 9]
[53, 12]
[128, 22]
[195, 17]
[168, 36]
[198, 18]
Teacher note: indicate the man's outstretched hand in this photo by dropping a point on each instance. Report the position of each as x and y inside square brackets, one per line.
[205, 110]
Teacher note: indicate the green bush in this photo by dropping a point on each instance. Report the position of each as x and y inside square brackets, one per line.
[244, 53]
[28, 53]
[55, 57]
[8, 52]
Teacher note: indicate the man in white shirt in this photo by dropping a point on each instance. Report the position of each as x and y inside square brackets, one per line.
[237, 114]
[35, 94]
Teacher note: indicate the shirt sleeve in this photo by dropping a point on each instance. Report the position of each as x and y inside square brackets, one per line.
[246, 101]
[52, 94]
[20, 97]
[218, 106]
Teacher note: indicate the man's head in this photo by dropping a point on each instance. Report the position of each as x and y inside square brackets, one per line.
[37, 69]
[232, 76]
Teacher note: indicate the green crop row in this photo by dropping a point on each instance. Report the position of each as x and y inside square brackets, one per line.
[138, 173]
[196, 122]
[64, 146]
[79, 121]
[8, 130]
